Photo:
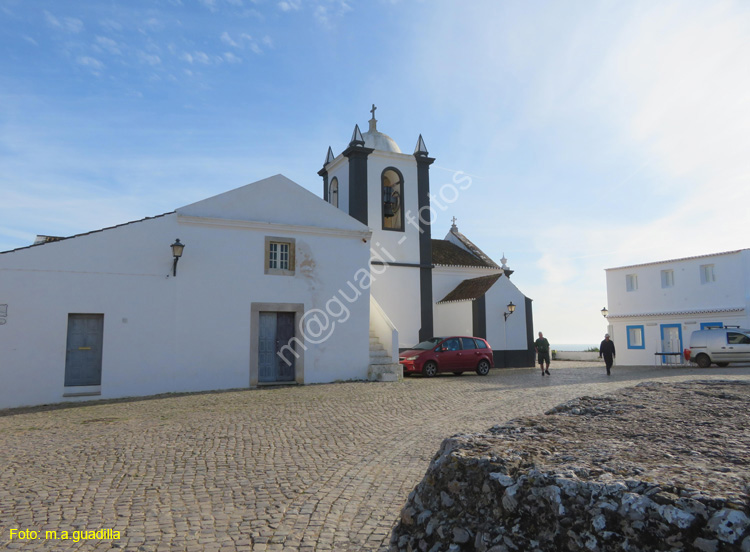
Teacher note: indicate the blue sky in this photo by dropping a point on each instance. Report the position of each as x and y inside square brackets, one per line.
[597, 134]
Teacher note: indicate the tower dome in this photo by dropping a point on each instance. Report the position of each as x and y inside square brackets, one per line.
[377, 140]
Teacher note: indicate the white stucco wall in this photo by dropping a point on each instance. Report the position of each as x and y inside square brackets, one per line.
[686, 305]
[507, 334]
[453, 318]
[396, 289]
[185, 333]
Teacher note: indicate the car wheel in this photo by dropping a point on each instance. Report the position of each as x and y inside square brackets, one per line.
[429, 369]
[483, 368]
[722, 364]
[703, 361]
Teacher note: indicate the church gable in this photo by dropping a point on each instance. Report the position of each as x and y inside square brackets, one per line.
[275, 200]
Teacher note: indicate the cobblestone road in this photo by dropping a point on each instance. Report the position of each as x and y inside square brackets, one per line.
[316, 468]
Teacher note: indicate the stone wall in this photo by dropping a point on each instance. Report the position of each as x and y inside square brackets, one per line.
[649, 468]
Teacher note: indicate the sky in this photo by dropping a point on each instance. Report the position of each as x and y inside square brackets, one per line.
[596, 134]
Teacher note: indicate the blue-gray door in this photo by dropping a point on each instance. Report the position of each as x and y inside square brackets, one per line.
[83, 355]
[276, 335]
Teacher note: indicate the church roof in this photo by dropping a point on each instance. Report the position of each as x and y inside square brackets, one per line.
[449, 254]
[467, 244]
[471, 289]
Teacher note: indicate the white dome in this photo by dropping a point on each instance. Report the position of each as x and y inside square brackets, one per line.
[379, 141]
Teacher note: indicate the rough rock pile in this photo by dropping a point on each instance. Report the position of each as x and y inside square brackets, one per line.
[651, 467]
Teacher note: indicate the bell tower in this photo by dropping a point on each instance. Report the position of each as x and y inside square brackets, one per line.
[377, 184]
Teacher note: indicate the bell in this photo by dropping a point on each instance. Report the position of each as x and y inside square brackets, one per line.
[388, 202]
[388, 209]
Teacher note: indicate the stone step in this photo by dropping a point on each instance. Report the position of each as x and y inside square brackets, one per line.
[381, 361]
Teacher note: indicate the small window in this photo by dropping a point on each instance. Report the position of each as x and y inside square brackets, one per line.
[468, 343]
[667, 278]
[631, 282]
[707, 274]
[481, 344]
[711, 325]
[736, 338]
[279, 256]
[333, 192]
[635, 337]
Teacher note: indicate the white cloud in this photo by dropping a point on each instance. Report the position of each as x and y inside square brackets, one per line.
[69, 24]
[231, 58]
[90, 62]
[202, 57]
[150, 59]
[187, 57]
[290, 5]
[226, 39]
[108, 44]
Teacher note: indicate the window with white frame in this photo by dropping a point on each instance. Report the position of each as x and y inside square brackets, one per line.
[707, 274]
[631, 282]
[635, 337]
[279, 256]
[667, 278]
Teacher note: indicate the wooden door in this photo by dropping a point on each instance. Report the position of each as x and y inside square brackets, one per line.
[276, 330]
[83, 355]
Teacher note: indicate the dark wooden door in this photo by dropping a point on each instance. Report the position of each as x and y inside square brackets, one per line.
[275, 336]
[83, 355]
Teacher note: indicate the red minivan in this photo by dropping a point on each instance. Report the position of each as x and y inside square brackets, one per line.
[448, 354]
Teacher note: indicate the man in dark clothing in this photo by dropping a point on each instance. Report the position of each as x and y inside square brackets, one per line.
[542, 350]
[607, 349]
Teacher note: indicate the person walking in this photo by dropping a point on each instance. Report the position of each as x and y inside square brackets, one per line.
[542, 351]
[607, 349]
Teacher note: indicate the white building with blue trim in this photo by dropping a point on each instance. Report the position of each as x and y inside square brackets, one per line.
[654, 307]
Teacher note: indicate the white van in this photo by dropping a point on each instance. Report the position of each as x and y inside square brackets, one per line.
[719, 346]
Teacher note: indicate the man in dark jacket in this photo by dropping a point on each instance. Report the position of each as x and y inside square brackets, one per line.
[607, 349]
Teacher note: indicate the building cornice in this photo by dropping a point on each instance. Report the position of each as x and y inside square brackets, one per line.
[676, 313]
[274, 227]
[678, 260]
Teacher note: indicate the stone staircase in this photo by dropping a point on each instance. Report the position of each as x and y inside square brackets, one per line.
[381, 366]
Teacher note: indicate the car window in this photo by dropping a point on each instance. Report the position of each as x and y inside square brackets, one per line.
[736, 338]
[429, 344]
[468, 343]
[452, 344]
[481, 344]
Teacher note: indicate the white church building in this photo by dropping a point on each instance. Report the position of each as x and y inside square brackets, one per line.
[266, 284]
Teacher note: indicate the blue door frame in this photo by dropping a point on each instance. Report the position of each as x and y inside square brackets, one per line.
[679, 333]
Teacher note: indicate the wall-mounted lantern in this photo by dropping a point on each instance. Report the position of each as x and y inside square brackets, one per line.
[511, 310]
[177, 248]
[604, 312]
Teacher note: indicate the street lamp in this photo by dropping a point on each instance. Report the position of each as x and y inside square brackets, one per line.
[511, 310]
[177, 248]
[604, 312]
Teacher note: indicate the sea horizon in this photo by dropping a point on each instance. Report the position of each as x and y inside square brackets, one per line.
[572, 346]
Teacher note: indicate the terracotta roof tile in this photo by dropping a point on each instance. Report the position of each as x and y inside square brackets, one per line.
[468, 290]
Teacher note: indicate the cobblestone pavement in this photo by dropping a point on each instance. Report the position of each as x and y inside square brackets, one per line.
[315, 468]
